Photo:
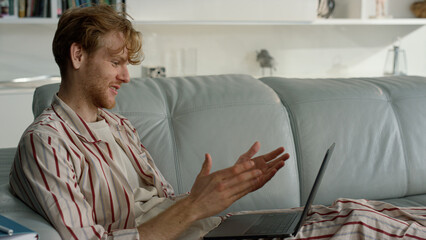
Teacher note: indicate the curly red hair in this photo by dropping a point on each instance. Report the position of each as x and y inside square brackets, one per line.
[87, 26]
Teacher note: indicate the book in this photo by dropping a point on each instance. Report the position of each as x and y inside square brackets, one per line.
[19, 231]
[22, 8]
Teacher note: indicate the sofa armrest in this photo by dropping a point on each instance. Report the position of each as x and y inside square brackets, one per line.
[13, 208]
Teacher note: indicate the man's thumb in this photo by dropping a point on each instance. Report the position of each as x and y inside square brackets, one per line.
[207, 165]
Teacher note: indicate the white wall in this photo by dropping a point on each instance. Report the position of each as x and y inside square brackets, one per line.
[299, 50]
[222, 10]
[16, 116]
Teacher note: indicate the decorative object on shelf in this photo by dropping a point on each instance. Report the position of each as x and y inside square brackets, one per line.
[419, 9]
[153, 72]
[325, 8]
[381, 10]
[265, 61]
[396, 62]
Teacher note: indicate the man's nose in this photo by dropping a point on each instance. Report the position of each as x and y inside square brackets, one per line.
[124, 75]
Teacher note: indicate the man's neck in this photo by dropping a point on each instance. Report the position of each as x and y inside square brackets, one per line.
[78, 103]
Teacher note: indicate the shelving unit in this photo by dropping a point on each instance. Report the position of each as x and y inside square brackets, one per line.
[52, 19]
[347, 12]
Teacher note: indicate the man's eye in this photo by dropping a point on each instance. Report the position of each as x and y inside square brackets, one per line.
[114, 63]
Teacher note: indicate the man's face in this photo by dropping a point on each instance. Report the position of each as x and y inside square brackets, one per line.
[105, 70]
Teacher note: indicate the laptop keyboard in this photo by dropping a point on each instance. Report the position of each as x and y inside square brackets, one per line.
[272, 224]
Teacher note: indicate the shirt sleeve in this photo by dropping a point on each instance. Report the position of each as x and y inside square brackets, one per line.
[45, 178]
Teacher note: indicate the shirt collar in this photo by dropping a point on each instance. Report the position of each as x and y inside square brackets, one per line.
[77, 123]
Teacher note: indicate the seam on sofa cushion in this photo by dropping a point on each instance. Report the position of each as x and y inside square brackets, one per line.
[176, 153]
[295, 132]
[296, 141]
[166, 115]
[174, 144]
[386, 93]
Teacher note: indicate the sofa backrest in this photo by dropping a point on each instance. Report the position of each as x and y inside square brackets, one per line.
[379, 128]
[181, 119]
[378, 125]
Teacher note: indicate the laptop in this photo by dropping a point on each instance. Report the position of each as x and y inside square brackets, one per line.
[269, 225]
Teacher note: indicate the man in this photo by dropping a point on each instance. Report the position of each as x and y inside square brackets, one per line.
[84, 169]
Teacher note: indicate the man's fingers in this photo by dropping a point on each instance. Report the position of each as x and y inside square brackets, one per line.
[282, 158]
[272, 155]
[236, 170]
[250, 153]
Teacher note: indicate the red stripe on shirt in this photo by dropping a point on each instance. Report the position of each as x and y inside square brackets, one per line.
[38, 165]
[109, 151]
[56, 162]
[128, 207]
[412, 236]
[363, 210]
[103, 172]
[96, 233]
[113, 117]
[375, 229]
[137, 162]
[20, 181]
[104, 118]
[57, 113]
[365, 225]
[87, 128]
[49, 140]
[366, 206]
[49, 126]
[76, 205]
[93, 193]
[47, 185]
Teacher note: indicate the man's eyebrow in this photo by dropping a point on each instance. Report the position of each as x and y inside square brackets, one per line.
[120, 57]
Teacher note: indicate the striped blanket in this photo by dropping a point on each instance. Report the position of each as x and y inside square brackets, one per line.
[360, 219]
[364, 219]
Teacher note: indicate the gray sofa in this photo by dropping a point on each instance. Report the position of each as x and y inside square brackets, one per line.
[378, 124]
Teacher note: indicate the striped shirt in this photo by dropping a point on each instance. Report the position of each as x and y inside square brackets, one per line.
[67, 174]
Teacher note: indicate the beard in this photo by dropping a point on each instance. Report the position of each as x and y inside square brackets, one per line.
[98, 94]
[97, 89]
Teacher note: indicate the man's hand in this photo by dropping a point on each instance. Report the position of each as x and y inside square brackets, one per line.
[214, 192]
[269, 163]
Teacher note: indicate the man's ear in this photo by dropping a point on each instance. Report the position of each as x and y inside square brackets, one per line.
[77, 55]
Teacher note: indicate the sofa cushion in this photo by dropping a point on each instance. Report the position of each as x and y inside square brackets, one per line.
[409, 201]
[407, 97]
[6, 158]
[377, 125]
